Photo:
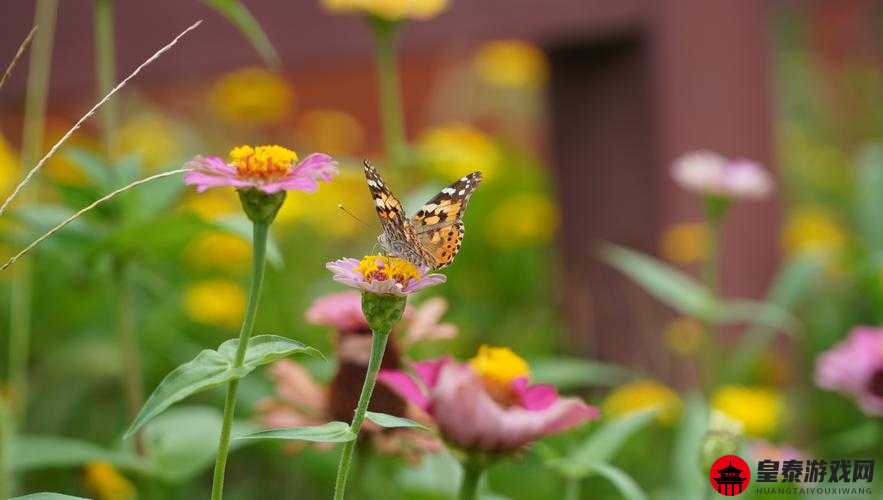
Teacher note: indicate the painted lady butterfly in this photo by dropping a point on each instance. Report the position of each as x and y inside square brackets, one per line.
[432, 238]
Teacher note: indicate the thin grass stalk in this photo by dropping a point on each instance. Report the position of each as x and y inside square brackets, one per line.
[32, 143]
[18, 53]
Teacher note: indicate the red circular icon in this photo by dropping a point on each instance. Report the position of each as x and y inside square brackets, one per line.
[729, 475]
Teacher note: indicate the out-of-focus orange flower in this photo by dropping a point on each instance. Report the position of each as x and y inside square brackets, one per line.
[685, 243]
[153, 138]
[761, 410]
[59, 167]
[9, 170]
[684, 335]
[813, 230]
[251, 97]
[511, 63]
[332, 131]
[108, 483]
[643, 395]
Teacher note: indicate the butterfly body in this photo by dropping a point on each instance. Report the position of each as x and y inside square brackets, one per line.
[432, 238]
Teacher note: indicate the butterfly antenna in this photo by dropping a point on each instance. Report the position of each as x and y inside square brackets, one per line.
[360, 221]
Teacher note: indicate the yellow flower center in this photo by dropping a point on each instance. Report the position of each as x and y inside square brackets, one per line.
[262, 162]
[382, 268]
[498, 367]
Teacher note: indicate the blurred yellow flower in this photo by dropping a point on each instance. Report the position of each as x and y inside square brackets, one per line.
[59, 167]
[9, 170]
[684, 335]
[511, 63]
[643, 395]
[685, 243]
[320, 210]
[107, 483]
[760, 410]
[523, 219]
[813, 230]
[251, 97]
[218, 251]
[331, 131]
[152, 137]
[216, 302]
[457, 149]
[213, 203]
[391, 10]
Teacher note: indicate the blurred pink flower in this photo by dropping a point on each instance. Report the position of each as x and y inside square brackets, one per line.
[855, 367]
[268, 168]
[709, 173]
[423, 323]
[343, 311]
[760, 449]
[473, 416]
[383, 275]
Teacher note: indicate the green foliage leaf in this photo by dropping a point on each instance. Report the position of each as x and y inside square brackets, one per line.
[48, 496]
[687, 450]
[242, 18]
[604, 443]
[869, 196]
[331, 432]
[92, 165]
[42, 452]
[392, 421]
[213, 368]
[622, 481]
[575, 373]
[789, 285]
[682, 293]
[183, 441]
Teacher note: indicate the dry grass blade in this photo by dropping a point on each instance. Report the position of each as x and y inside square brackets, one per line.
[91, 112]
[85, 209]
[20, 52]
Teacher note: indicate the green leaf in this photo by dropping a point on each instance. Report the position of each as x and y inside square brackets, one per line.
[31, 452]
[687, 449]
[869, 196]
[789, 285]
[242, 18]
[576, 373]
[212, 368]
[604, 443]
[622, 481]
[331, 432]
[92, 165]
[48, 496]
[183, 441]
[392, 421]
[682, 293]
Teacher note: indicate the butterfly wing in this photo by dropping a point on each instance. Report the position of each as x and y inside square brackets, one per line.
[438, 225]
[398, 238]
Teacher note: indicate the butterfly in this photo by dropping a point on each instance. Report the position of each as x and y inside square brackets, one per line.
[431, 238]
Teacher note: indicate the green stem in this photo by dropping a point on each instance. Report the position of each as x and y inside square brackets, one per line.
[472, 471]
[378, 346]
[573, 489]
[715, 211]
[32, 145]
[258, 264]
[131, 375]
[391, 117]
[5, 442]
[105, 57]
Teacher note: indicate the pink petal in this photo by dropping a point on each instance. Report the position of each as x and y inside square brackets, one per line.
[340, 310]
[415, 285]
[534, 397]
[317, 166]
[428, 370]
[404, 386]
[297, 183]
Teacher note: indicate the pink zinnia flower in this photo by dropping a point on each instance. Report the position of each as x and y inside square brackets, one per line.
[268, 168]
[343, 311]
[760, 449]
[383, 275]
[709, 173]
[855, 367]
[489, 404]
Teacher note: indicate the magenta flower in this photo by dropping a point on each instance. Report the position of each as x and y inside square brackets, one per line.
[383, 275]
[709, 173]
[268, 168]
[488, 405]
[343, 311]
[855, 367]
